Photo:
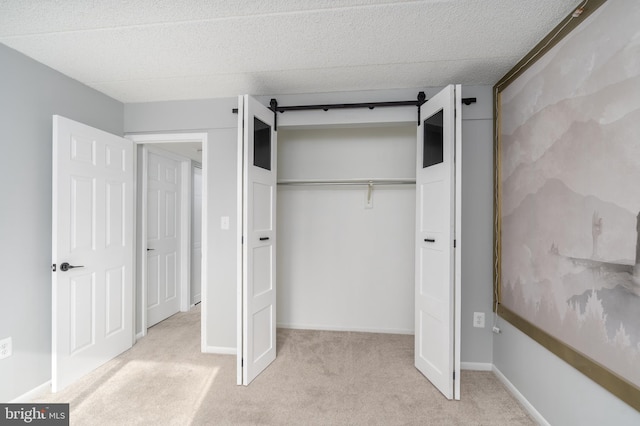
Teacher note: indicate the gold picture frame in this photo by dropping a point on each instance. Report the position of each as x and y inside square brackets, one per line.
[560, 36]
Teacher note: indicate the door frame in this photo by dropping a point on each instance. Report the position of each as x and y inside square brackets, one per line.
[185, 224]
[195, 165]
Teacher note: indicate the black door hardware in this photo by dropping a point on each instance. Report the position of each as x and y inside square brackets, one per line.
[64, 267]
[264, 238]
[429, 240]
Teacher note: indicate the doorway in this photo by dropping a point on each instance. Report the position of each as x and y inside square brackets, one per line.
[188, 149]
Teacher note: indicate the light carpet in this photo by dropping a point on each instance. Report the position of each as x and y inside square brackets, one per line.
[318, 378]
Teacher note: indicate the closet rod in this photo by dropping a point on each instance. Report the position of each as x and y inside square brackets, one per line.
[348, 182]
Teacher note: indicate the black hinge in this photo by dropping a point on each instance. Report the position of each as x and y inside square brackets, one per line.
[422, 98]
[53, 267]
[454, 375]
[454, 243]
[273, 106]
[242, 362]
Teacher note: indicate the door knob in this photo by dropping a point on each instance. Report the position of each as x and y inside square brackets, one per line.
[150, 249]
[65, 267]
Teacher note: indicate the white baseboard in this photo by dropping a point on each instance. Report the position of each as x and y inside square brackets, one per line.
[221, 350]
[140, 335]
[356, 329]
[476, 366]
[34, 393]
[516, 393]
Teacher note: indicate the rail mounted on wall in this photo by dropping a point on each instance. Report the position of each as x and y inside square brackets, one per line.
[421, 99]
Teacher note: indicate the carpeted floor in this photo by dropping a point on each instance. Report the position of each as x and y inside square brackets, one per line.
[318, 378]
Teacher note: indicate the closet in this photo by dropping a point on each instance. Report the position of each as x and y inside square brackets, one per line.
[359, 214]
[346, 247]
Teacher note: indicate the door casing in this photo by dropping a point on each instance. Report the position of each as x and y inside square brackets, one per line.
[185, 224]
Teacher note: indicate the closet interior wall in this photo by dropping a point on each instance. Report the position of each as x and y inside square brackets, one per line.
[343, 264]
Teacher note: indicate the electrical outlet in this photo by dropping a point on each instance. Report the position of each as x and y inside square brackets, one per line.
[478, 319]
[5, 348]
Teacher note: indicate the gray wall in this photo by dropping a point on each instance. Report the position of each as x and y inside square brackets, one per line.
[477, 225]
[560, 393]
[30, 93]
[215, 117]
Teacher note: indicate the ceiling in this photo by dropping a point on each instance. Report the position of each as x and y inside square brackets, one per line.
[153, 50]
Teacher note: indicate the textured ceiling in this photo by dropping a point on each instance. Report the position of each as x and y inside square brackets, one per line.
[151, 50]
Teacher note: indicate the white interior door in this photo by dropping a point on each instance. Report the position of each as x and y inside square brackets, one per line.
[196, 236]
[436, 352]
[92, 251]
[163, 236]
[257, 319]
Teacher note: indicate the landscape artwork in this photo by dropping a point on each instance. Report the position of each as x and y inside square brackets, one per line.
[569, 188]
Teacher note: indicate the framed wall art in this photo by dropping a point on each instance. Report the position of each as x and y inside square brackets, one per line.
[567, 194]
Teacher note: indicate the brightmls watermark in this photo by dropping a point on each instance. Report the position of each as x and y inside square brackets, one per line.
[34, 414]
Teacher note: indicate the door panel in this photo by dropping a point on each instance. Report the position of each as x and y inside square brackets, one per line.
[114, 296]
[436, 355]
[82, 308]
[262, 207]
[93, 202]
[82, 213]
[257, 330]
[114, 208]
[163, 236]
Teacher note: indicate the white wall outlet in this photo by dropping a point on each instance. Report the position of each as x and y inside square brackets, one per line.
[5, 348]
[478, 319]
[224, 222]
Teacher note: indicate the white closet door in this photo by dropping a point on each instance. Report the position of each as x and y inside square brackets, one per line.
[258, 288]
[92, 251]
[436, 354]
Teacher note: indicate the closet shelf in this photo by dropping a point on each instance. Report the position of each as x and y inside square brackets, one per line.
[391, 181]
